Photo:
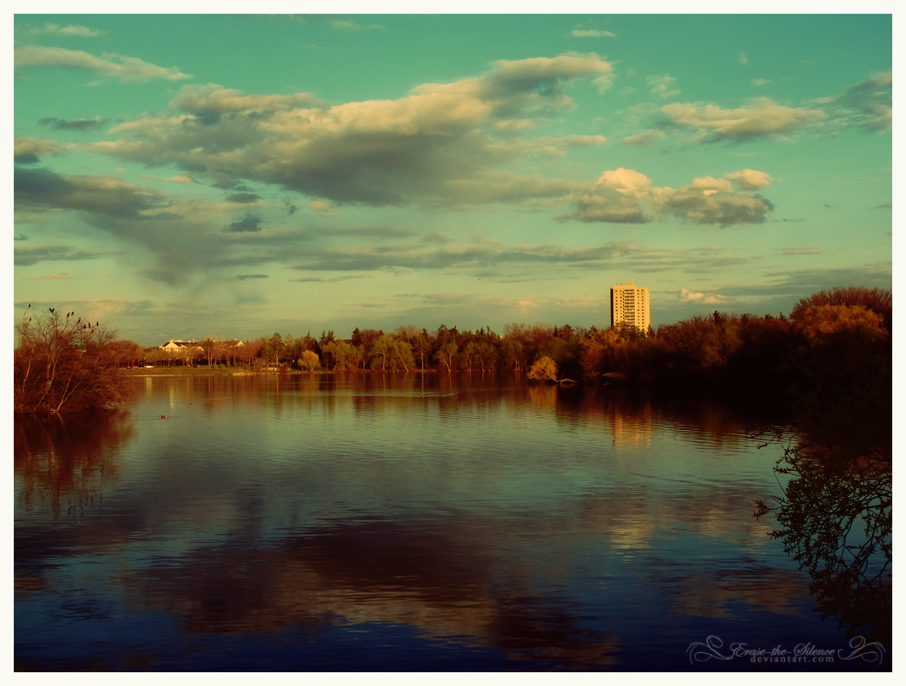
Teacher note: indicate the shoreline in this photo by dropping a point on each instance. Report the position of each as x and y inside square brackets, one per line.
[199, 371]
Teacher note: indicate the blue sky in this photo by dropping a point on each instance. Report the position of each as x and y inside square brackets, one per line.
[233, 176]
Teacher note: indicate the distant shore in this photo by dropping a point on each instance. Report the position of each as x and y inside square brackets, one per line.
[232, 371]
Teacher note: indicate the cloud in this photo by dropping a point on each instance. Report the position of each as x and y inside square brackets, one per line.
[761, 118]
[660, 85]
[70, 30]
[75, 125]
[424, 256]
[701, 203]
[554, 146]
[621, 196]
[592, 33]
[20, 237]
[213, 100]
[528, 191]
[615, 197]
[867, 105]
[802, 251]
[336, 279]
[126, 69]
[795, 284]
[750, 180]
[27, 255]
[27, 150]
[181, 178]
[759, 82]
[645, 138]
[742, 57]
[182, 241]
[244, 277]
[349, 25]
[325, 209]
[247, 225]
[420, 148]
[43, 189]
[485, 256]
[705, 299]
[244, 198]
[544, 76]
[49, 277]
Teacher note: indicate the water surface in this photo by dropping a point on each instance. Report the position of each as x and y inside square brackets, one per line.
[401, 522]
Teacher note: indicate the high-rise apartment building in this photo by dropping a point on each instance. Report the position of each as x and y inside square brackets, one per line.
[630, 305]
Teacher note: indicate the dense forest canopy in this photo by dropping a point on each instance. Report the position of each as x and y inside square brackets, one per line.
[842, 328]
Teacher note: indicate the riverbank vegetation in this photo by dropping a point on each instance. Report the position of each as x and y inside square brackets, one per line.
[846, 330]
[835, 514]
[64, 364]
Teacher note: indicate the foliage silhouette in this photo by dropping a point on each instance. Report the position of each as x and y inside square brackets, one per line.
[62, 364]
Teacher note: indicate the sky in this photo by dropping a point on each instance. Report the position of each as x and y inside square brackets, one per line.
[233, 176]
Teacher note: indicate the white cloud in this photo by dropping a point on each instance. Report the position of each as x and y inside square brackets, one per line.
[761, 118]
[126, 69]
[71, 30]
[615, 197]
[750, 180]
[215, 99]
[592, 33]
[705, 299]
[661, 86]
[424, 147]
[623, 196]
[349, 25]
[28, 150]
[645, 138]
[704, 202]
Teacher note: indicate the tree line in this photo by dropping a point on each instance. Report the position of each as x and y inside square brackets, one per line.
[759, 352]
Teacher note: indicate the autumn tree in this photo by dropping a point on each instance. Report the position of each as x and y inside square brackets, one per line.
[421, 346]
[401, 355]
[818, 322]
[514, 355]
[344, 356]
[545, 369]
[380, 351]
[126, 353]
[487, 356]
[878, 300]
[275, 348]
[308, 360]
[445, 355]
[468, 355]
[250, 352]
[62, 364]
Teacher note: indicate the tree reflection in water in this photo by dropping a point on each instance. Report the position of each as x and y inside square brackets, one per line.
[835, 519]
[63, 461]
[835, 516]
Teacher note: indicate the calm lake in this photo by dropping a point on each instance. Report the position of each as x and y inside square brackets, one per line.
[404, 522]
